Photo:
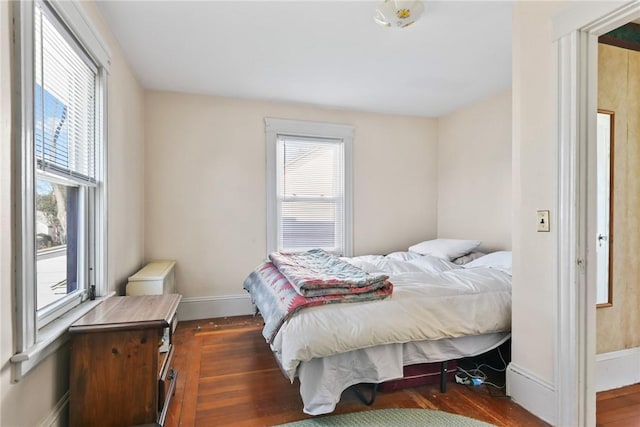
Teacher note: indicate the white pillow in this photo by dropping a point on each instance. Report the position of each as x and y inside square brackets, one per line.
[445, 248]
[500, 260]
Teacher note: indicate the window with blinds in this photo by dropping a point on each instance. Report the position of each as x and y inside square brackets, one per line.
[310, 194]
[65, 85]
[64, 102]
[61, 66]
[309, 186]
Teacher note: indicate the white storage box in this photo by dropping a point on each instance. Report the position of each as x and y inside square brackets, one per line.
[155, 278]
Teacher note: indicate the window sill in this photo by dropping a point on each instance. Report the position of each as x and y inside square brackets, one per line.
[50, 338]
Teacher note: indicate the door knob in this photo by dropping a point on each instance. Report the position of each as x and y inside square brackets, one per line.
[602, 239]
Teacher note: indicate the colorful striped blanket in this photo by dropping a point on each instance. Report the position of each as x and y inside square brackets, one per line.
[316, 273]
[277, 299]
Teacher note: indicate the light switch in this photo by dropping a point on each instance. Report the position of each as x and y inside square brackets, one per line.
[543, 220]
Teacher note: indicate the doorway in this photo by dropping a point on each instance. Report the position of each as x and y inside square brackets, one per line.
[577, 179]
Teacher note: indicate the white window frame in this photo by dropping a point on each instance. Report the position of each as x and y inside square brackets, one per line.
[307, 129]
[37, 335]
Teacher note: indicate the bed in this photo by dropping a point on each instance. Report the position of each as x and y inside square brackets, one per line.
[437, 311]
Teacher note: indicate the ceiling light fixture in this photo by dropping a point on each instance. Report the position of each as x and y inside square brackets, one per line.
[397, 13]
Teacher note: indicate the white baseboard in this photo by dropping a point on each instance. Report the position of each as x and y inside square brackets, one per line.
[58, 417]
[216, 306]
[532, 393]
[617, 369]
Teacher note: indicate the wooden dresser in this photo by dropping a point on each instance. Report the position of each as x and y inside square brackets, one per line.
[121, 372]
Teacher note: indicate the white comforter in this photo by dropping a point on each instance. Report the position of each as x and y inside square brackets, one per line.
[432, 299]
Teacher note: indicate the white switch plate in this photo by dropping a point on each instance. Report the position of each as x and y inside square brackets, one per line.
[543, 220]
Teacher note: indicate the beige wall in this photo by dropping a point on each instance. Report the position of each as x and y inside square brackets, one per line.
[206, 191]
[30, 401]
[534, 295]
[474, 173]
[619, 91]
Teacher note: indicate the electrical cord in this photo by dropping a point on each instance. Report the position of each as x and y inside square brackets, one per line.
[477, 376]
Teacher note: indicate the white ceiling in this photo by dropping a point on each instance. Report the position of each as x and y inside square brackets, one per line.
[324, 53]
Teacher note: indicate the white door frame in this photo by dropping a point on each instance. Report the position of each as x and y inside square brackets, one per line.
[576, 30]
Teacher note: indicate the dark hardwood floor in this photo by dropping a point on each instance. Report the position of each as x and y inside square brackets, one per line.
[228, 376]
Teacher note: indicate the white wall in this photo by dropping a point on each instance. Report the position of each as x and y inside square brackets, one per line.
[32, 400]
[126, 168]
[474, 173]
[534, 187]
[206, 190]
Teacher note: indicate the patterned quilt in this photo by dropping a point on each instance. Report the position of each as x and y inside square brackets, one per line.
[278, 300]
[316, 273]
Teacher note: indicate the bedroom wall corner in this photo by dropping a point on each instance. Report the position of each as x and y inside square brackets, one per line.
[474, 173]
[205, 194]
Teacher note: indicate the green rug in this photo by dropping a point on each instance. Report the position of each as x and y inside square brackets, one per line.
[391, 417]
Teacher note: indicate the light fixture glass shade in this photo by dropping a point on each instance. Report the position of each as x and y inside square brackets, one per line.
[397, 13]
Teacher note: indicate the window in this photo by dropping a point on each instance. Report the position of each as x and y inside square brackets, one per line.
[59, 175]
[309, 179]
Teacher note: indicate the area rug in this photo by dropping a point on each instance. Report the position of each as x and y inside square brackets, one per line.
[391, 417]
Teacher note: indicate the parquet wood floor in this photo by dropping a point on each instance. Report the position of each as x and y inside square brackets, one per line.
[227, 376]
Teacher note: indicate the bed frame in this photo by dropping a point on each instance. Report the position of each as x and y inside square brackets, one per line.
[318, 370]
[409, 380]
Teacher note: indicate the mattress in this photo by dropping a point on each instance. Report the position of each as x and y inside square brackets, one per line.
[432, 299]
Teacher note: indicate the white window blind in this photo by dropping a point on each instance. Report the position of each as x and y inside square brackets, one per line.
[309, 186]
[311, 194]
[65, 91]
